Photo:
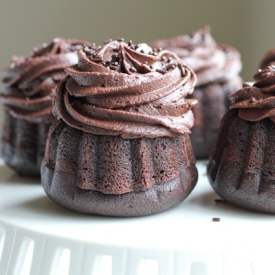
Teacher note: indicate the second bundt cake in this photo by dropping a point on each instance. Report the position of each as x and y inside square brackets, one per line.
[29, 84]
[217, 68]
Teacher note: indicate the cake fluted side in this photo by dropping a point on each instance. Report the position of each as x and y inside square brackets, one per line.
[23, 145]
[113, 176]
[113, 165]
[212, 105]
[242, 163]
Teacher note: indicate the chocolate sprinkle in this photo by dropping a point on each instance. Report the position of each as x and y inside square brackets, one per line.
[114, 63]
[219, 200]
[216, 219]
[160, 71]
[171, 66]
[182, 70]
[113, 67]
[97, 59]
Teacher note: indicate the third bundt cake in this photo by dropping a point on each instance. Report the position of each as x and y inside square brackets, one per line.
[242, 164]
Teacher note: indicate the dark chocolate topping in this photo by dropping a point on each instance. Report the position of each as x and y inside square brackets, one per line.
[210, 61]
[257, 101]
[30, 82]
[128, 90]
[268, 59]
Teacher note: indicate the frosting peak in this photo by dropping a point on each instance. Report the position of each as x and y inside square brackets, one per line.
[128, 90]
[29, 82]
[268, 59]
[210, 61]
[256, 101]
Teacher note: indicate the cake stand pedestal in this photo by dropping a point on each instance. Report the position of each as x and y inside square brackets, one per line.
[201, 236]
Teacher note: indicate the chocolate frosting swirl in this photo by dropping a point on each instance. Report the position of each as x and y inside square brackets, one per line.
[210, 61]
[268, 59]
[256, 101]
[127, 90]
[30, 82]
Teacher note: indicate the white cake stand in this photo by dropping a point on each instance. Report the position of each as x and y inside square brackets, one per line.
[38, 237]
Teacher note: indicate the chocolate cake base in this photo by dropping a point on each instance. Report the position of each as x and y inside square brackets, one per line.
[154, 200]
[213, 103]
[115, 176]
[19, 161]
[242, 164]
[23, 145]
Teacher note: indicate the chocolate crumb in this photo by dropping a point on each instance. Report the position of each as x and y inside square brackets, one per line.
[219, 200]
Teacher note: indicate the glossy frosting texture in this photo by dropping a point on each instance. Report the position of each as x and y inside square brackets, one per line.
[129, 90]
[210, 61]
[256, 101]
[30, 82]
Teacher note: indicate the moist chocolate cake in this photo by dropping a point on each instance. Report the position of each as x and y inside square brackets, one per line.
[29, 84]
[242, 164]
[217, 68]
[121, 144]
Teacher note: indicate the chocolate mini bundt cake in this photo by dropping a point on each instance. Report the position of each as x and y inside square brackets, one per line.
[217, 68]
[121, 146]
[29, 84]
[242, 164]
